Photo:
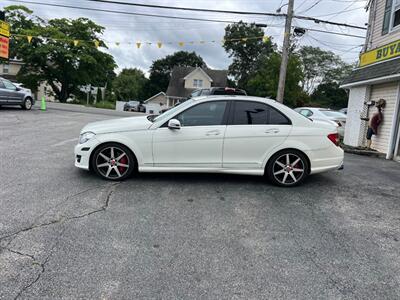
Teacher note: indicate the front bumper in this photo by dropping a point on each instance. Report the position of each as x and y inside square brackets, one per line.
[82, 153]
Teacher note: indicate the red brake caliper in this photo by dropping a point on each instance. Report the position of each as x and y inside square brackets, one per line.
[123, 160]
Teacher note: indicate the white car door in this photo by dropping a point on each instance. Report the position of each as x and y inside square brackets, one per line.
[198, 143]
[254, 129]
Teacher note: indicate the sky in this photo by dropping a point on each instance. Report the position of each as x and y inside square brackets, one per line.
[127, 29]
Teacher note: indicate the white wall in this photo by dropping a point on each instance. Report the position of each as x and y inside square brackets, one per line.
[119, 105]
[387, 91]
[355, 127]
[197, 74]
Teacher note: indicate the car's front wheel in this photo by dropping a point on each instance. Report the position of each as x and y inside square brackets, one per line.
[288, 168]
[113, 161]
[27, 104]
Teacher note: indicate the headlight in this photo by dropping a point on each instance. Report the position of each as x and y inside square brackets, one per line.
[84, 137]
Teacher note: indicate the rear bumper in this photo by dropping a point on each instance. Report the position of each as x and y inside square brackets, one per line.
[326, 160]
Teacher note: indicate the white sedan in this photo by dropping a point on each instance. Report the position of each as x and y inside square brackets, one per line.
[225, 134]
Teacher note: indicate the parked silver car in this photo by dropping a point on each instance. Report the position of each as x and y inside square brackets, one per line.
[11, 94]
[325, 114]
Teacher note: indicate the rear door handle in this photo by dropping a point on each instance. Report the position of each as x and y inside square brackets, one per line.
[272, 130]
[213, 132]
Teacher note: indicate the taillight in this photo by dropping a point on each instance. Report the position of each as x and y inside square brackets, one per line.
[334, 137]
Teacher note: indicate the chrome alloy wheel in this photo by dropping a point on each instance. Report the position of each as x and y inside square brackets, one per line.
[28, 104]
[112, 162]
[288, 169]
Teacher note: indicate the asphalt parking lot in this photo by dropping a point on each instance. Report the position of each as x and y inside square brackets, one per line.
[65, 233]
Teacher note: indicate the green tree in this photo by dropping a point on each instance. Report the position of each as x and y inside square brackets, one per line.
[320, 66]
[329, 95]
[160, 70]
[246, 54]
[130, 85]
[51, 55]
[264, 82]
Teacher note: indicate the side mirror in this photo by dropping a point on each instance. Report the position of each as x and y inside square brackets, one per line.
[174, 124]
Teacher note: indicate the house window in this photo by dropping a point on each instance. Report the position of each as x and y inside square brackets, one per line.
[391, 17]
[396, 13]
[197, 83]
[6, 68]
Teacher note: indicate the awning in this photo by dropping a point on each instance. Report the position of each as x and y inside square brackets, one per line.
[379, 72]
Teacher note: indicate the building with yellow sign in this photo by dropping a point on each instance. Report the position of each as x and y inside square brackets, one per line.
[377, 77]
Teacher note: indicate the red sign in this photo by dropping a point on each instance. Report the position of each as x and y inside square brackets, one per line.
[4, 45]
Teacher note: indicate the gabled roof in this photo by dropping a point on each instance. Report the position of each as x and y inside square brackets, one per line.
[176, 87]
[152, 97]
[198, 69]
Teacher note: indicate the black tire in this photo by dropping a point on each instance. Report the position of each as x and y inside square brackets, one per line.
[285, 174]
[112, 169]
[28, 103]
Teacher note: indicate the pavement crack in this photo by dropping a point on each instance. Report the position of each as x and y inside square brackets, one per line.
[63, 219]
[41, 264]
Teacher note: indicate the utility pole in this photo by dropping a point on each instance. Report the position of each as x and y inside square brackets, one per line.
[285, 52]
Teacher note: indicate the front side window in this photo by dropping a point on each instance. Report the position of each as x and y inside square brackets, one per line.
[8, 85]
[195, 93]
[306, 112]
[204, 114]
[256, 113]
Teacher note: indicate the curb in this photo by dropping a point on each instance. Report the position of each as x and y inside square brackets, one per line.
[90, 110]
[364, 152]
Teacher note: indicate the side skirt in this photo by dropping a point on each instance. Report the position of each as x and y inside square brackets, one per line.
[256, 172]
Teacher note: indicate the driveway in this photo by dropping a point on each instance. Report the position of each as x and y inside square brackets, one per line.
[65, 233]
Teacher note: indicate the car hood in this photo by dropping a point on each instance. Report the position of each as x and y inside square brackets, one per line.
[116, 125]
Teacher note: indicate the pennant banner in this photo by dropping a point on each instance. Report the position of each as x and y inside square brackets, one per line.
[139, 44]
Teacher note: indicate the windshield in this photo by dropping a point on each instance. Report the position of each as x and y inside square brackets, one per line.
[333, 114]
[173, 110]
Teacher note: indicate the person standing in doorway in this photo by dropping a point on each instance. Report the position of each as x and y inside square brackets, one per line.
[375, 121]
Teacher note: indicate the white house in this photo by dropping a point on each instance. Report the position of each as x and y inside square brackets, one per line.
[10, 69]
[184, 80]
[377, 76]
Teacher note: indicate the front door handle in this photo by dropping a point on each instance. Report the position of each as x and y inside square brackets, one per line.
[272, 130]
[213, 132]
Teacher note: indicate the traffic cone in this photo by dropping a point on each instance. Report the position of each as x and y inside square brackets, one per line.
[43, 104]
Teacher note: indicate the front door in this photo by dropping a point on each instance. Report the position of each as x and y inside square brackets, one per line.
[254, 129]
[199, 141]
[10, 93]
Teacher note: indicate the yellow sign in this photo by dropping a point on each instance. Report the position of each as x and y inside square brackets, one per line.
[382, 53]
[4, 45]
[4, 29]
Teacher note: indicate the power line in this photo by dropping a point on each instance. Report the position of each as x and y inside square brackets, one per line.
[332, 32]
[171, 17]
[312, 6]
[193, 9]
[340, 12]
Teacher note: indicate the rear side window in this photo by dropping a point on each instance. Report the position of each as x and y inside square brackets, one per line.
[256, 113]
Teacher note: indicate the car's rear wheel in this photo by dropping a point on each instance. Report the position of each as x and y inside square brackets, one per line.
[113, 161]
[288, 168]
[27, 104]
